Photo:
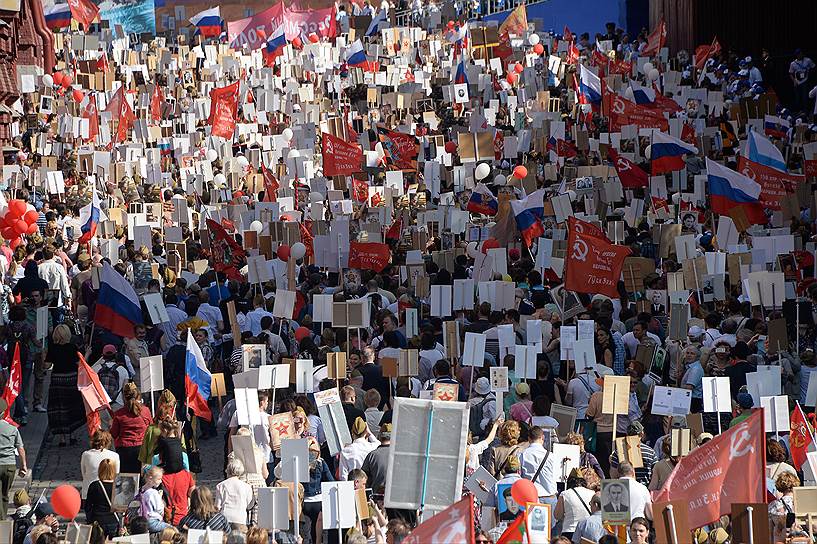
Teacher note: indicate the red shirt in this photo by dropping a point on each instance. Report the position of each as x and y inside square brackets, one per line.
[129, 430]
[178, 486]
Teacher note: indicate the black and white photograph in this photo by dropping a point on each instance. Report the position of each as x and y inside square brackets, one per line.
[125, 488]
[615, 501]
[537, 523]
[253, 356]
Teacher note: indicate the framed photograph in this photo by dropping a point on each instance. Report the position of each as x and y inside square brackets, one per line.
[77, 534]
[506, 507]
[253, 356]
[125, 487]
[689, 222]
[538, 521]
[615, 502]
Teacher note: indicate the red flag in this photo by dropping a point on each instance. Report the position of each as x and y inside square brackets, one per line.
[656, 40]
[728, 469]
[625, 112]
[306, 237]
[565, 148]
[395, 230]
[227, 255]
[515, 532]
[360, 190]
[585, 227]
[14, 382]
[400, 148]
[705, 52]
[156, 102]
[800, 437]
[688, 133]
[84, 11]
[454, 524]
[573, 54]
[270, 184]
[663, 104]
[774, 184]
[102, 64]
[340, 158]
[567, 34]
[629, 173]
[369, 256]
[658, 203]
[94, 396]
[621, 67]
[593, 264]
[223, 110]
[90, 112]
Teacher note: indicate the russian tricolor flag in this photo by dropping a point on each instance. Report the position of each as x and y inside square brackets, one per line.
[482, 201]
[89, 217]
[528, 213]
[776, 127]
[117, 306]
[460, 76]
[208, 22]
[589, 87]
[355, 55]
[667, 153]
[276, 43]
[642, 95]
[380, 21]
[197, 380]
[730, 190]
[58, 16]
[760, 150]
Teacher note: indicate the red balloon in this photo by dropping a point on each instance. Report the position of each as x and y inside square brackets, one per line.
[78, 95]
[32, 229]
[31, 216]
[490, 243]
[538, 48]
[524, 491]
[450, 147]
[66, 501]
[3, 223]
[67, 81]
[283, 252]
[8, 233]
[313, 37]
[20, 227]
[58, 77]
[14, 243]
[518, 68]
[512, 77]
[16, 209]
[450, 25]
[297, 43]
[520, 172]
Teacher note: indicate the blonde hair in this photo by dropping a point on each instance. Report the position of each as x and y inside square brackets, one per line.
[61, 334]
[509, 433]
[202, 504]
[786, 482]
[106, 471]
[257, 535]
[39, 529]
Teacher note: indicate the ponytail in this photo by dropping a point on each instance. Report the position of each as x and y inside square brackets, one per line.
[132, 397]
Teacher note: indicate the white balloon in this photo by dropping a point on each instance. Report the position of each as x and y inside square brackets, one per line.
[242, 161]
[654, 74]
[533, 39]
[48, 81]
[220, 179]
[257, 226]
[294, 154]
[297, 251]
[647, 67]
[212, 155]
[287, 134]
[628, 94]
[482, 170]
[647, 152]
[471, 249]
[500, 179]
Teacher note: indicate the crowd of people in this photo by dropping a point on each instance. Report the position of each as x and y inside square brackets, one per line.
[231, 209]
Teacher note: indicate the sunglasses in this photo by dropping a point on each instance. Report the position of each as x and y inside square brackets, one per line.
[482, 540]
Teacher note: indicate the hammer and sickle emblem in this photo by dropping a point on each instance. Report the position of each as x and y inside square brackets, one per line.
[330, 147]
[741, 443]
[618, 106]
[749, 173]
[623, 165]
[580, 250]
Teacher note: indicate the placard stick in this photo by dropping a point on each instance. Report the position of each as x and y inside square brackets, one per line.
[152, 404]
[615, 414]
[272, 404]
[291, 273]
[672, 532]
[470, 383]
[715, 394]
[774, 299]
[749, 511]
[425, 463]
[760, 295]
[810, 530]
[337, 503]
[797, 325]
[295, 501]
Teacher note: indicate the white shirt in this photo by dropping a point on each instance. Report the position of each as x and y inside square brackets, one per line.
[529, 461]
[233, 498]
[255, 317]
[710, 336]
[639, 498]
[89, 465]
[54, 274]
[212, 316]
[353, 455]
[631, 342]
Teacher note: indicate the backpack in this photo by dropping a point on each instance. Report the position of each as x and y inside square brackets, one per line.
[17, 337]
[475, 416]
[21, 526]
[109, 378]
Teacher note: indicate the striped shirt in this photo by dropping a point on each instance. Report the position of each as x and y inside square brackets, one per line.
[642, 474]
[217, 522]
